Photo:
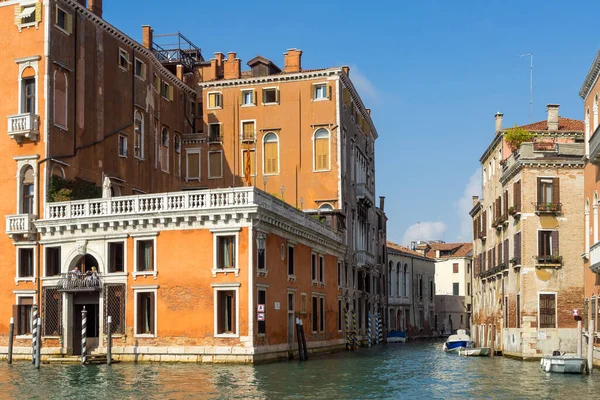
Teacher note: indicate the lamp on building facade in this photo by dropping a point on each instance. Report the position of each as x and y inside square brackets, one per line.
[261, 239]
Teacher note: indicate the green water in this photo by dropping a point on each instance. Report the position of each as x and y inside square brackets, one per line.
[398, 371]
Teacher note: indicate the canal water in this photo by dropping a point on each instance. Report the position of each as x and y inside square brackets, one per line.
[394, 371]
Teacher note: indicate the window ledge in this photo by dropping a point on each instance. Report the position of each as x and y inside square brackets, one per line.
[135, 274]
[120, 274]
[62, 30]
[320, 99]
[17, 280]
[225, 271]
[262, 272]
[248, 105]
[24, 337]
[214, 108]
[64, 128]
[28, 25]
[144, 335]
[271, 174]
[322, 284]
[227, 335]
[270, 104]
[314, 283]
[215, 177]
[291, 278]
[322, 170]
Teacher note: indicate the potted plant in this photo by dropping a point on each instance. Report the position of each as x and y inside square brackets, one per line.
[553, 206]
[512, 210]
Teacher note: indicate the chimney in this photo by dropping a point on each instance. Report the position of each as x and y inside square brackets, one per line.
[147, 39]
[368, 111]
[95, 6]
[233, 67]
[552, 116]
[292, 60]
[179, 72]
[498, 118]
[346, 70]
[216, 65]
[382, 203]
[475, 200]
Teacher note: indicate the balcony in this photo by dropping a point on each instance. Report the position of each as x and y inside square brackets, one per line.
[365, 194]
[548, 261]
[20, 224]
[595, 147]
[249, 137]
[492, 271]
[79, 282]
[595, 258]
[364, 258]
[548, 208]
[23, 126]
[515, 211]
[215, 139]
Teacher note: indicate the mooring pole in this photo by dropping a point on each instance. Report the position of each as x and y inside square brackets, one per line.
[34, 329]
[590, 349]
[109, 340]
[38, 344]
[369, 329]
[299, 334]
[11, 335]
[83, 335]
[579, 338]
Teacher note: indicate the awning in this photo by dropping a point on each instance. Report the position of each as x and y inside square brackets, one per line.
[27, 11]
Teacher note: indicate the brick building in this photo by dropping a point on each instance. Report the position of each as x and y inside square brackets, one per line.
[527, 235]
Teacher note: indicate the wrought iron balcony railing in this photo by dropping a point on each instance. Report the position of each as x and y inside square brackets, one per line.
[548, 208]
[548, 260]
[79, 282]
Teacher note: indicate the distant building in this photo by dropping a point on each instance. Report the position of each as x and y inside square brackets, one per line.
[411, 291]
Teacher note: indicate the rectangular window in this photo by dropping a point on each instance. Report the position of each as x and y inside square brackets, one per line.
[52, 261]
[468, 288]
[315, 316]
[116, 257]
[29, 95]
[156, 83]
[122, 146]
[123, 59]
[548, 195]
[313, 268]
[547, 244]
[547, 310]
[25, 263]
[322, 314]
[248, 131]
[262, 299]
[145, 255]
[261, 259]
[215, 100]
[214, 132]
[226, 312]
[518, 311]
[249, 158]
[22, 312]
[506, 311]
[145, 313]
[455, 268]
[137, 139]
[166, 91]
[248, 97]
[339, 316]
[320, 91]
[140, 69]
[215, 164]
[321, 269]
[290, 260]
[192, 164]
[455, 289]
[339, 273]
[303, 305]
[270, 96]
[225, 252]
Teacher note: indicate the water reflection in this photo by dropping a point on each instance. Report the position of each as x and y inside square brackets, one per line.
[412, 370]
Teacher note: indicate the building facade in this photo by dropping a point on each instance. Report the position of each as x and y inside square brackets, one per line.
[411, 291]
[527, 230]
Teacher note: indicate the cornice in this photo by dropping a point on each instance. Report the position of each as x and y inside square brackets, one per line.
[591, 78]
[258, 80]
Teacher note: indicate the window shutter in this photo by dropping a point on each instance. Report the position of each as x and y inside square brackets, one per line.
[211, 100]
[276, 95]
[152, 311]
[170, 92]
[220, 131]
[555, 243]
[193, 164]
[241, 98]
[18, 11]
[69, 23]
[540, 243]
[539, 190]
[38, 12]
[140, 314]
[313, 91]
[555, 191]
[16, 315]
[506, 252]
[254, 97]
[484, 225]
[329, 92]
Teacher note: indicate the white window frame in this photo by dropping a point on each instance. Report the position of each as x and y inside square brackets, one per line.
[24, 63]
[65, 128]
[262, 271]
[220, 106]
[226, 287]
[107, 250]
[276, 88]
[314, 148]
[220, 233]
[19, 294]
[124, 54]
[145, 289]
[253, 102]
[242, 128]
[314, 280]
[22, 163]
[314, 88]
[143, 70]
[555, 309]
[209, 136]
[264, 155]
[164, 164]
[251, 150]
[210, 176]
[28, 24]
[122, 136]
[187, 165]
[263, 287]
[144, 237]
[18, 279]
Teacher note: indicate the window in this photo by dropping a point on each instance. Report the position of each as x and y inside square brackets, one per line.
[215, 100]
[322, 269]
[303, 303]
[226, 313]
[313, 267]
[215, 164]
[315, 316]
[518, 311]
[290, 261]
[214, 132]
[271, 154]
[320, 91]
[468, 288]
[164, 150]
[547, 310]
[122, 145]
[339, 315]
[145, 255]
[322, 314]
[548, 192]
[405, 280]
[339, 273]
[192, 167]
[455, 289]
[30, 14]
[156, 83]
[262, 299]
[138, 135]
[116, 257]
[52, 261]
[431, 291]
[29, 100]
[321, 150]
[261, 258]
[248, 131]
[547, 243]
[27, 191]
[60, 99]
[249, 160]
[23, 314]
[145, 313]
[226, 252]
[455, 268]
[177, 158]
[166, 91]
[140, 69]
[25, 262]
[248, 97]
[270, 96]
[123, 59]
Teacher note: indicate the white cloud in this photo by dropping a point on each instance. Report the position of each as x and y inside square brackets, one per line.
[465, 204]
[362, 83]
[424, 231]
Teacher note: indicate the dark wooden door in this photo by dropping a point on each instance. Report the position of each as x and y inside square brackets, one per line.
[77, 329]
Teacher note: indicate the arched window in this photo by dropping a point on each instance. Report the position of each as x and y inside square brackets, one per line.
[177, 155]
[271, 153]
[406, 280]
[138, 135]
[156, 145]
[595, 109]
[321, 150]
[27, 191]
[398, 281]
[326, 207]
[390, 279]
[60, 99]
[28, 91]
[164, 150]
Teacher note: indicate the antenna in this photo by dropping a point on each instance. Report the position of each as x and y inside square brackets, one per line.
[530, 55]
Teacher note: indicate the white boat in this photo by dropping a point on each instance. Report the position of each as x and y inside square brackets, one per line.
[564, 364]
[475, 351]
[458, 342]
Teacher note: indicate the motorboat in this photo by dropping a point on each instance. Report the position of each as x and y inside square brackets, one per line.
[563, 363]
[475, 352]
[461, 340]
[396, 337]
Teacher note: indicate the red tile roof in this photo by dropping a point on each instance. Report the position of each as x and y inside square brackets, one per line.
[457, 249]
[564, 124]
[403, 249]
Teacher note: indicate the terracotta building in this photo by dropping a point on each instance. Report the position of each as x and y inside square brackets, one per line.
[527, 235]
[591, 307]
[94, 114]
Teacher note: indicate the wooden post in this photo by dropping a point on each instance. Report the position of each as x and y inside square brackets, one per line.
[493, 340]
[11, 335]
[34, 329]
[299, 335]
[38, 354]
[83, 335]
[108, 340]
[590, 349]
[579, 337]
[304, 341]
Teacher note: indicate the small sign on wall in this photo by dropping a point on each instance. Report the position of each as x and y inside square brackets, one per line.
[541, 335]
[277, 305]
[261, 308]
[260, 316]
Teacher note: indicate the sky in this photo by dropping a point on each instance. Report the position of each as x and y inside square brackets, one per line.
[434, 73]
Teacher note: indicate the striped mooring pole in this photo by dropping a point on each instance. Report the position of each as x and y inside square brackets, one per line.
[348, 340]
[34, 329]
[376, 329]
[380, 333]
[83, 335]
[369, 329]
[355, 334]
[38, 343]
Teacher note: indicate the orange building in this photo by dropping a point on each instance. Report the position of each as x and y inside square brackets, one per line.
[110, 149]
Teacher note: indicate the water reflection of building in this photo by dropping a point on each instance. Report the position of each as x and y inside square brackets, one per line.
[527, 232]
[149, 118]
[411, 291]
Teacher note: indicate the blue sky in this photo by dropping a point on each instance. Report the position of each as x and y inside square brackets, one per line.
[434, 74]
